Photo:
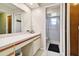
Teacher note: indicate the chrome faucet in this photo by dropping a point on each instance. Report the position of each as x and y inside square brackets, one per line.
[31, 31]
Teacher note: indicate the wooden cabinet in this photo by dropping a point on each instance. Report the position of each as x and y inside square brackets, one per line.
[12, 54]
[31, 48]
[36, 45]
[27, 50]
[28, 47]
[7, 51]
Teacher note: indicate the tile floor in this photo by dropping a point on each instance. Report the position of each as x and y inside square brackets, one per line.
[50, 53]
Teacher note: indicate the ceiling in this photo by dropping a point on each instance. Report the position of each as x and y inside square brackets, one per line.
[36, 5]
[32, 6]
[45, 4]
[5, 7]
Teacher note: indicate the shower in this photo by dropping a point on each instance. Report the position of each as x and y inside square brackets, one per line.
[53, 28]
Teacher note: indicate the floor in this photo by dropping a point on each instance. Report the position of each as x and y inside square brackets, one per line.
[51, 53]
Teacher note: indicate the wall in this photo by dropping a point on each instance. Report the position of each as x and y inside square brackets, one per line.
[26, 21]
[38, 23]
[2, 23]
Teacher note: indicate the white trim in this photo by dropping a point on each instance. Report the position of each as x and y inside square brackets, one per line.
[68, 29]
[63, 15]
[62, 29]
[61, 34]
[13, 23]
[6, 25]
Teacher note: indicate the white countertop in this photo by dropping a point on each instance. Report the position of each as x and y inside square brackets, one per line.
[8, 39]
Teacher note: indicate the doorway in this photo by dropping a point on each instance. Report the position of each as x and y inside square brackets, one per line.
[53, 30]
[74, 23]
[10, 24]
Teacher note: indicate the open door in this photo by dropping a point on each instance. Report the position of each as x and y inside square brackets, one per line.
[9, 24]
[74, 23]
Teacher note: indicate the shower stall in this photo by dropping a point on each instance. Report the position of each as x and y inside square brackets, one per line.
[53, 28]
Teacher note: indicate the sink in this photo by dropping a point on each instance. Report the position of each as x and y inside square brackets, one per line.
[12, 39]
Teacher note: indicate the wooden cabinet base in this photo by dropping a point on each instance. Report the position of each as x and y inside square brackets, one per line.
[11, 54]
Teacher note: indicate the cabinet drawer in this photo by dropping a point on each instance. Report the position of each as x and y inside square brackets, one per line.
[7, 51]
[36, 45]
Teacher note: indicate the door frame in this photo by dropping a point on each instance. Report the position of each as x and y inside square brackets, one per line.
[7, 23]
[68, 29]
[62, 26]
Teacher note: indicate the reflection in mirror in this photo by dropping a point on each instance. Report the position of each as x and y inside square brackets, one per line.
[5, 22]
[10, 18]
[2, 23]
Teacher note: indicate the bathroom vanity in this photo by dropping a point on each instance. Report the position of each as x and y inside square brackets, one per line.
[27, 44]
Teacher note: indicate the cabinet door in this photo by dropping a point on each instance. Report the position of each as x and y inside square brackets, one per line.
[31, 48]
[27, 50]
[36, 45]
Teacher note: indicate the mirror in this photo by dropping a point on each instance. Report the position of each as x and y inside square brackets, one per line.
[10, 18]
